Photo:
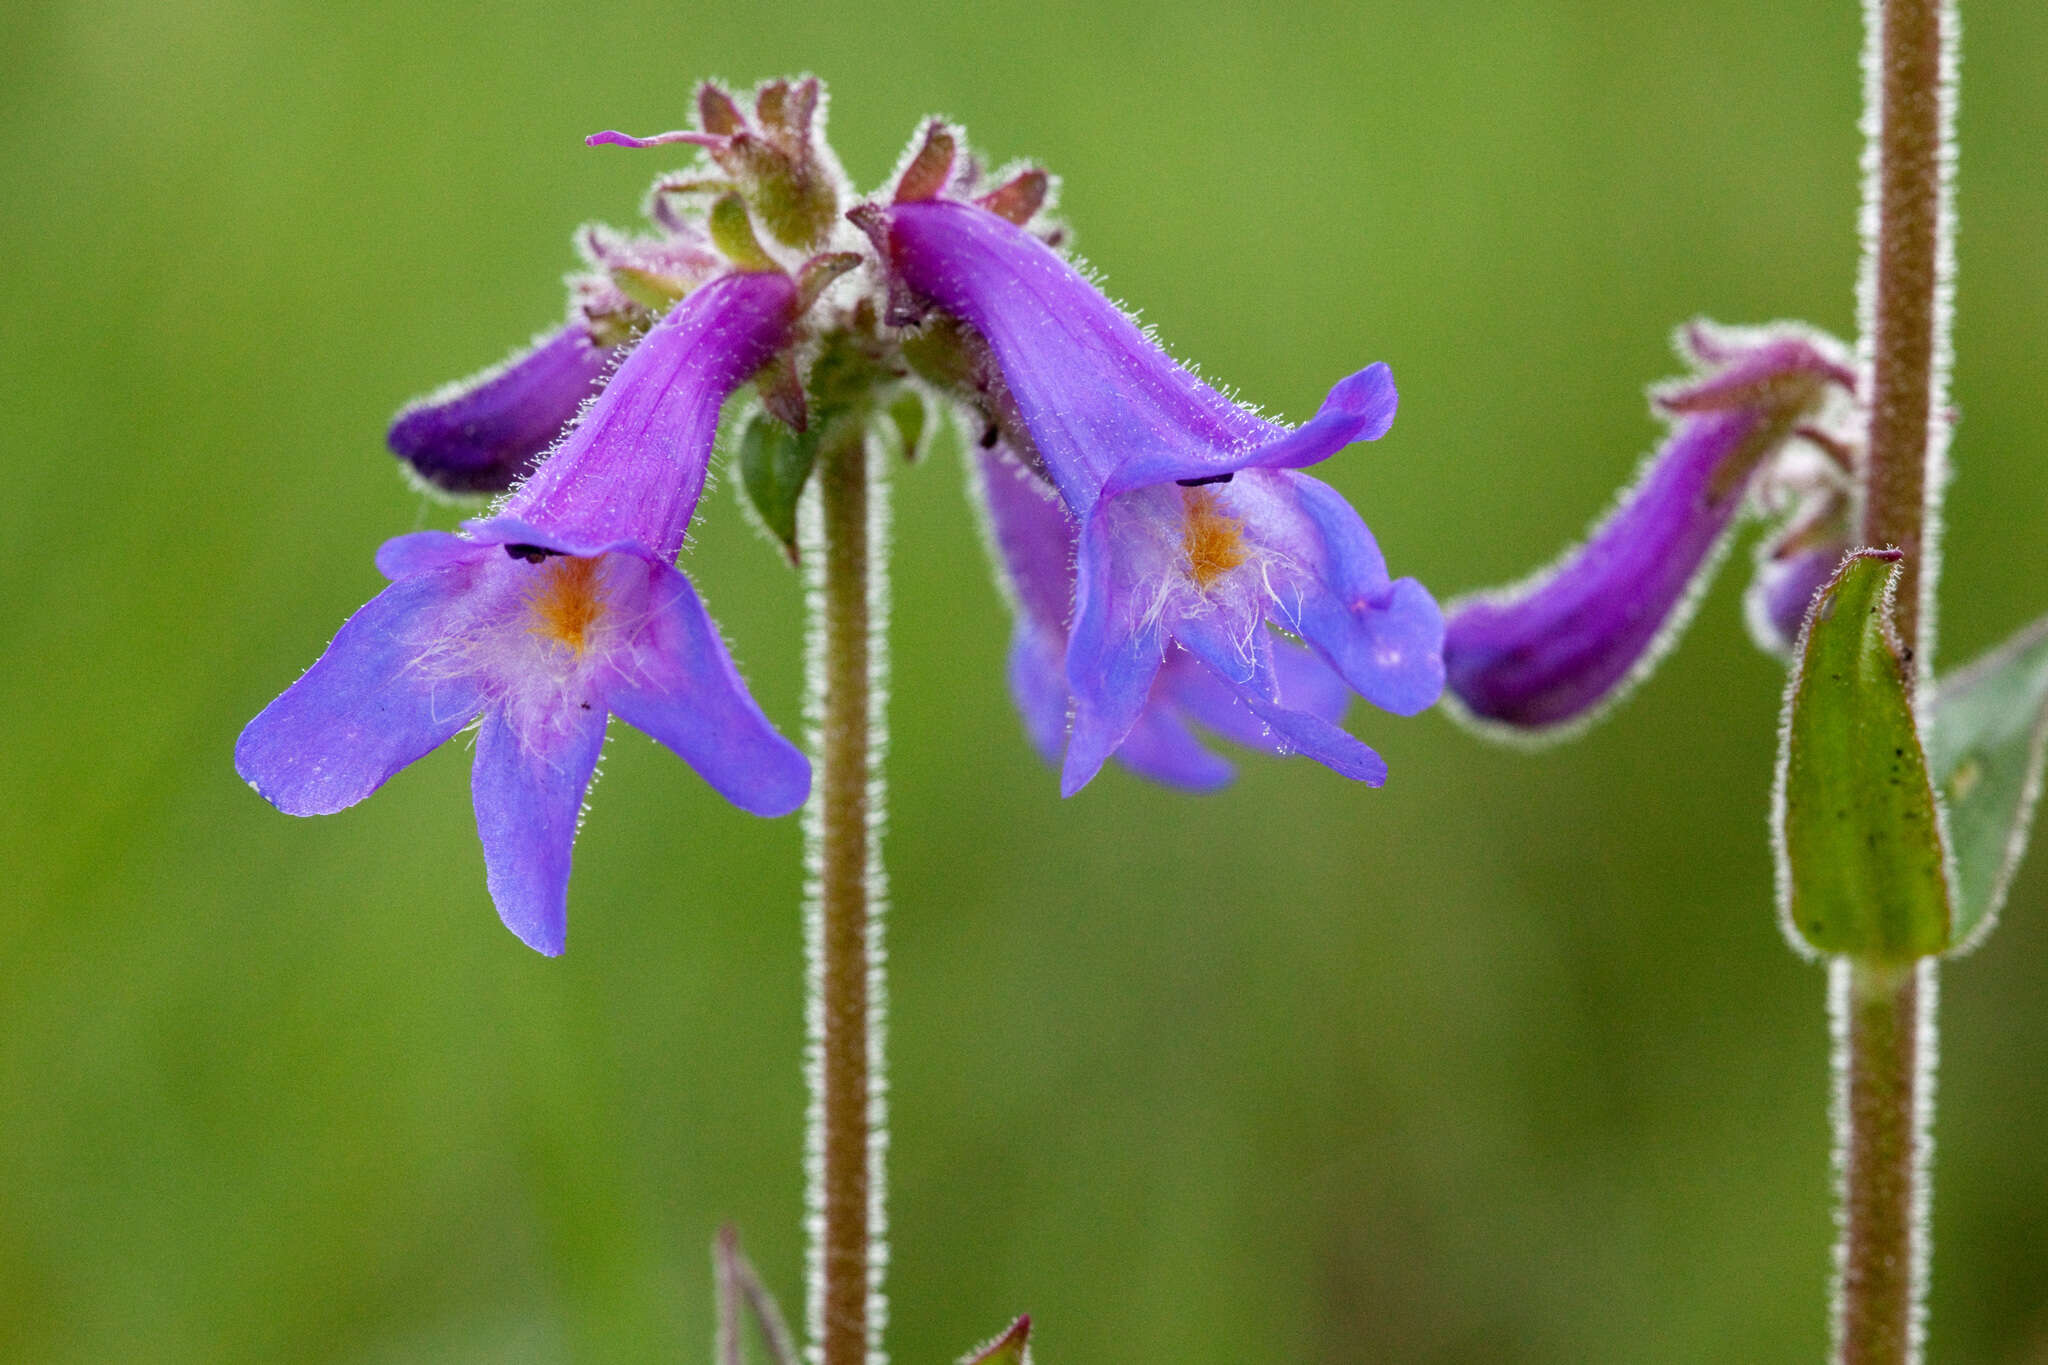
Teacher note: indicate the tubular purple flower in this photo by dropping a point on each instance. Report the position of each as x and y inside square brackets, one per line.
[1195, 530]
[1033, 539]
[562, 609]
[1549, 652]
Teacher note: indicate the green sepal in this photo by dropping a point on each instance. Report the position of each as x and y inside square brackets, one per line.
[775, 463]
[908, 418]
[732, 232]
[648, 289]
[930, 170]
[1861, 868]
[1013, 1347]
[1989, 737]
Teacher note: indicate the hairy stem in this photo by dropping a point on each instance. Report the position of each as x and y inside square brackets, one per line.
[1883, 1018]
[1905, 290]
[1883, 1013]
[848, 654]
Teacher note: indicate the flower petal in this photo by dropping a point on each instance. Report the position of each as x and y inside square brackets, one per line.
[1305, 683]
[1161, 747]
[1360, 408]
[634, 465]
[1299, 732]
[362, 711]
[528, 790]
[423, 552]
[482, 434]
[1384, 638]
[681, 688]
[1113, 653]
[1038, 684]
[1092, 388]
[1775, 604]
[1033, 535]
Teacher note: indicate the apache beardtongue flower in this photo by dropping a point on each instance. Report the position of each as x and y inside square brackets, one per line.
[562, 609]
[1195, 529]
[1033, 538]
[1549, 652]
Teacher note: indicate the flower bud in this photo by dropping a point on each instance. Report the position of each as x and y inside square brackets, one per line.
[1552, 651]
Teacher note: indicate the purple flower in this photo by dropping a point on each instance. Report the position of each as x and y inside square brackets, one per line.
[1549, 652]
[485, 433]
[1033, 537]
[1195, 531]
[1784, 586]
[560, 610]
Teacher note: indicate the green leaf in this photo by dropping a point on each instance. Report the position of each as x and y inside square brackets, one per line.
[1860, 863]
[1013, 1347]
[1990, 735]
[775, 463]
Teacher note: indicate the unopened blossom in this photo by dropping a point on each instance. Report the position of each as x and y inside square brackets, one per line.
[543, 620]
[1195, 532]
[1032, 535]
[1550, 651]
[485, 433]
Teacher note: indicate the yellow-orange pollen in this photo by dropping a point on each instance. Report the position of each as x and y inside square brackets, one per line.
[567, 603]
[1213, 542]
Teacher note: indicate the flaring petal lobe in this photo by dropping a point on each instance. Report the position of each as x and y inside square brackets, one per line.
[680, 687]
[528, 791]
[361, 712]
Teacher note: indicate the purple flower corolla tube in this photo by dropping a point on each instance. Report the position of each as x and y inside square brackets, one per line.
[1195, 531]
[562, 609]
[1548, 653]
[1033, 539]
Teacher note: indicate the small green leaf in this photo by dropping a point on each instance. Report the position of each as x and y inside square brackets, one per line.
[907, 415]
[775, 462]
[1990, 735]
[1858, 830]
[1013, 1347]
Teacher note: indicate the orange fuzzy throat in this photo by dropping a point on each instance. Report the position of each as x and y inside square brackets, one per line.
[1213, 542]
[568, 602]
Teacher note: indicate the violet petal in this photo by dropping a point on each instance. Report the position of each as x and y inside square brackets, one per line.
[362, 711]
[681, 688]
[529, 793]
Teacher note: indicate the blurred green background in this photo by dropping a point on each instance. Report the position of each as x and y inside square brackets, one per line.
[1504, 1062]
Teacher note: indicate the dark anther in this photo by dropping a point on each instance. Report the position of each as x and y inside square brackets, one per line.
[1197, 483]
[990, 436]
[532, 554]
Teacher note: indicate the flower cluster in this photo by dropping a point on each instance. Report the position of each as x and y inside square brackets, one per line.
[1171, 566]
[1766, 424]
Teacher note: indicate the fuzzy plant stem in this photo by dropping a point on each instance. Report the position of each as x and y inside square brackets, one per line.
[1883, 1013]
[1883, 1017]
[845, 545]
